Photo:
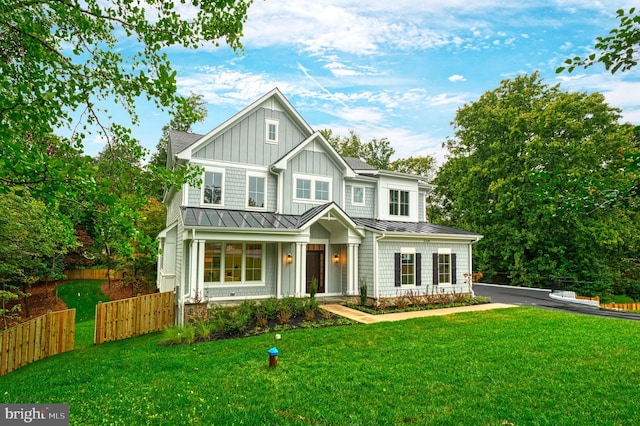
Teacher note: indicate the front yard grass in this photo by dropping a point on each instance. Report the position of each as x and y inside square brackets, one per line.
[519, 365]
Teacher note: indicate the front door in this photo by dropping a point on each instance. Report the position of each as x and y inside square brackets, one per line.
[315, 266]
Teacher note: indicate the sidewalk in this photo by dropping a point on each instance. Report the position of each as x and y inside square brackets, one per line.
[366, 318]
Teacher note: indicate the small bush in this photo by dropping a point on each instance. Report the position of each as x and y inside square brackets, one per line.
[401, 302]
[178, 336]
[202, 330]
[294, 306]
[363, 292]
[270, 307]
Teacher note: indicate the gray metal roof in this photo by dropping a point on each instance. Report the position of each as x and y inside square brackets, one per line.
[410, 227]
[240, 219]
[357, 164]
[182, 140]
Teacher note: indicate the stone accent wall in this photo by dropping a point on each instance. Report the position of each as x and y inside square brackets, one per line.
[194, 312]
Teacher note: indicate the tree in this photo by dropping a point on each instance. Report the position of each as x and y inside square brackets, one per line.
[376, 152]
[421, 166]
[62, 58]
[618, 51]
[504, 145]
[190, 110]
[32, 237]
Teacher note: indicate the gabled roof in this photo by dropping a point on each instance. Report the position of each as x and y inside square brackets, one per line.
[389, 226]
[182, 140]
[358, 164]
[281, 164]
[274, 95]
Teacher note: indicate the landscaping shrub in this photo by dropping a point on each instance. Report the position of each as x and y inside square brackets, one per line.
[270, 307]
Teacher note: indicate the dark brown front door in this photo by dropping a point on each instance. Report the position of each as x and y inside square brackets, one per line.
[315, 268]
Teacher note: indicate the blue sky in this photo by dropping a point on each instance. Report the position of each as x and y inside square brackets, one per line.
[396, 69]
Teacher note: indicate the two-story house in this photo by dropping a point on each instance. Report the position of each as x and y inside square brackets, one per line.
[278, 206]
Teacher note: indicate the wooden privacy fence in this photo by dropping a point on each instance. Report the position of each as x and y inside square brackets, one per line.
[126, 318]
[621, 306]
[36, 339]
[91, 274]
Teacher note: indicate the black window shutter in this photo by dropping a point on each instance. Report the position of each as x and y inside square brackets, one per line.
[453, 268]
[397, 270]
[418, 269]
[435, 268]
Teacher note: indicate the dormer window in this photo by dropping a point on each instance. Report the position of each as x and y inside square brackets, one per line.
[398, 202]
[271, 131]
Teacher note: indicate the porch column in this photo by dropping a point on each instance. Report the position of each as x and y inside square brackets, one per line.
[193, 269]
[352, 269]
[301, 268]
[200, 263]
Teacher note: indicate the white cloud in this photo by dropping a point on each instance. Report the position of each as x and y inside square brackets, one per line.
[456, 78]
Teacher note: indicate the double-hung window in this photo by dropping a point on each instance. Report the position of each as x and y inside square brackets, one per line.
[256, 188]
[408, 267]
[233, 262]
[444, 267]
[212, 184]
[357, 195]
[398, 202]
[303, 189]
[322, 190]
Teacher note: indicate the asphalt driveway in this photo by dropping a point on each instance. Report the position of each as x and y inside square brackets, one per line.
[540, 298]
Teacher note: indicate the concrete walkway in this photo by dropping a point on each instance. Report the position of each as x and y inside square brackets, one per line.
[366, 318]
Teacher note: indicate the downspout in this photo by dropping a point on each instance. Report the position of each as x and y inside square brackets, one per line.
[376, 287]
[471, 269]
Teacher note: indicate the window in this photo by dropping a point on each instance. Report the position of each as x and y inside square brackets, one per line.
[444, 267]
[303, 189]
[255, 191]
[357, 195]
[398, 202]
[312, 189]
[407, 269]
[271, 131]
[322, 190]
[212, 188]
[233, 262]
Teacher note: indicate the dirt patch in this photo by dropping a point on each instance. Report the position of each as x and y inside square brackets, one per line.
[120, 290]
[43, 300]
[40, 302]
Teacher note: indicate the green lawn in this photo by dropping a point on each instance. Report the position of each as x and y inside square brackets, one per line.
[83, 295]
[521, 365]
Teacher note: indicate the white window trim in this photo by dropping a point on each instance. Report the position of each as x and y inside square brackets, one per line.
[444, 251]
[213, 170]
[408, 250]
[242, 283]
[267, 122]
[313, 179]
[251, 174]
[364, 191]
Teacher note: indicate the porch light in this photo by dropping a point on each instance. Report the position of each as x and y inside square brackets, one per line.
[289, 258]
[336, 258]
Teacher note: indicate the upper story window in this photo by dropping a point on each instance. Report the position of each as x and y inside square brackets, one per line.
[357, 195]
[212, 188]
[256, 190]
[303, 189]
[322, 190]
[312, 188]
[271, 130]
[398, 202]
